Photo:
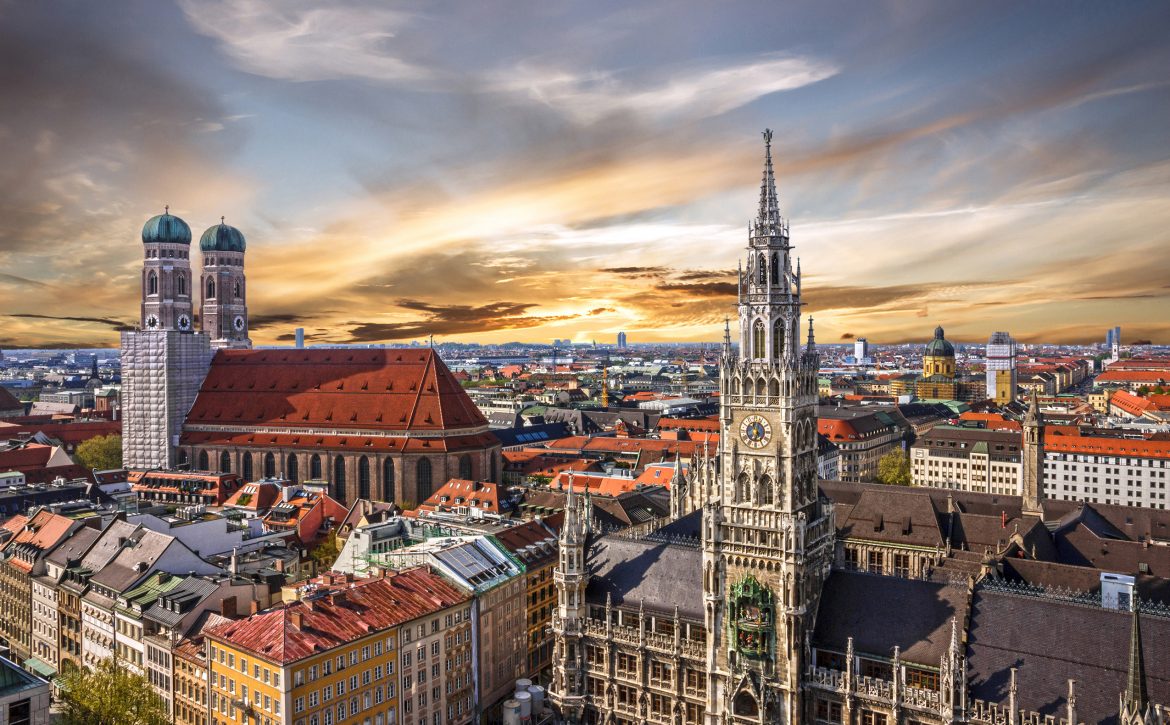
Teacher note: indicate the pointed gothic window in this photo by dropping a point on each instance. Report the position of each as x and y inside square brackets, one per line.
[743, 488]
[364, 477]
[423, 479]
[767, 495]
[775, 267]
[465, 467]
[225, 462]
[778, 339]
[204, 463]
[247, 460]
[758, 348]
[238, 290]
[315, 467]
[339, 478]
[290, 469]
[181, 284]
[211, 289]
[269, 465]
[763, 267]
[152, 284]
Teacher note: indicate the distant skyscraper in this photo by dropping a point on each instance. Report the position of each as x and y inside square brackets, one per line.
[860, 349]
[1001, 368]
[621, 340]
[300, 336]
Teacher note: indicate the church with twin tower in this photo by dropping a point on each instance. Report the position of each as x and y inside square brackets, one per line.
[166, 359]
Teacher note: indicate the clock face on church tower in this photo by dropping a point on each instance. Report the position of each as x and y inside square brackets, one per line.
[755, 431]
[151, 321]
[238, 323]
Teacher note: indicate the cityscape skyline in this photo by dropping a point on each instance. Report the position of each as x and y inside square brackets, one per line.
[396, 177]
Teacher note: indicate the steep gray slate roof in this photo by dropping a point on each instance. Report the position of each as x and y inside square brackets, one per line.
[1051, 642]
[881, 612]
[662, 575]
[73, 548]
[184, 597]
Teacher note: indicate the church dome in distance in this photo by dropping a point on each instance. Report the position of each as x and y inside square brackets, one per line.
[939, 347]
[222, 238]
[166, 228]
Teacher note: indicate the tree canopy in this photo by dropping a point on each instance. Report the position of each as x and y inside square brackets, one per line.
[109, 694]
[101, 453]
[894, 469]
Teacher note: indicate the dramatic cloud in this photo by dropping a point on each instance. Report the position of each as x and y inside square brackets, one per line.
[472, 171]
[697, 92]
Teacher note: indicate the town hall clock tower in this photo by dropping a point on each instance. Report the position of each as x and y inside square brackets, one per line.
[767, 539]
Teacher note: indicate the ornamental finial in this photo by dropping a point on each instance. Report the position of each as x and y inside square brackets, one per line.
[166, 209]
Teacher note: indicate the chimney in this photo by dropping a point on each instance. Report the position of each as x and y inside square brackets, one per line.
[298, 619]
[254, 607]
[235, 565]
[227, 607]
[286, 492]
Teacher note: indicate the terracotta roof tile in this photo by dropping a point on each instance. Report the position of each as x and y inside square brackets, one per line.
[336, 615]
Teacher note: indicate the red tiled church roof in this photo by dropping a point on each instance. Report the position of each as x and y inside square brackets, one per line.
[388, 391]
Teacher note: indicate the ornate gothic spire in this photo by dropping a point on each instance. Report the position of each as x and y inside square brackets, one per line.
[812, 342]
[1134, 699]
[769, 213]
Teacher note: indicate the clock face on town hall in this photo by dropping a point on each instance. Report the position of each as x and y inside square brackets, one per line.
[755, 431]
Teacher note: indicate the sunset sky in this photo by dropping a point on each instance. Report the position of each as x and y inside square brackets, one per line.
[491, 171]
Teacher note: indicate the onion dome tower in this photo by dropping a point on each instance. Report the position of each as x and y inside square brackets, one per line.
[225, 309]
[939, 357]
[166, 274]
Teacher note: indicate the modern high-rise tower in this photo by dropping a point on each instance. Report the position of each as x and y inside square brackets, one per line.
[767, 538]
[165, 360]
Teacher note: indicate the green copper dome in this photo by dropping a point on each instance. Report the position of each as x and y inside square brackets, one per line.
[222, 238]
[166, 229]
[939, 347]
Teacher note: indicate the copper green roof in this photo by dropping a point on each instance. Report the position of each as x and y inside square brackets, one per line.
[166, 229]
[146, 593]
[222, 238]
[939, 347]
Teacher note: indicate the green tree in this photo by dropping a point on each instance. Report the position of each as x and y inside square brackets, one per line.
[101, 453]
[325, 553]
[1143, 391]
[109, 695]
[894, 469]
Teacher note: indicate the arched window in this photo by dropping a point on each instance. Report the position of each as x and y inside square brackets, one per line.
[766, 492]
[204, 464]
[247, 461]
[746, 705]
[775, 267]
[211, 289]
[181, 284]
[315, 467]
[465, 467]
[388, 479]
[339, 478]
[763, 267]
[758, 349]
[182, 458]
[423, 478]
[152, 284]
[773, 389]
[743, 488]
[238, 290]
[495, 469]
[290, 469]
[269, 465]
[225, 462]
[364, 477]
[778, 339]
